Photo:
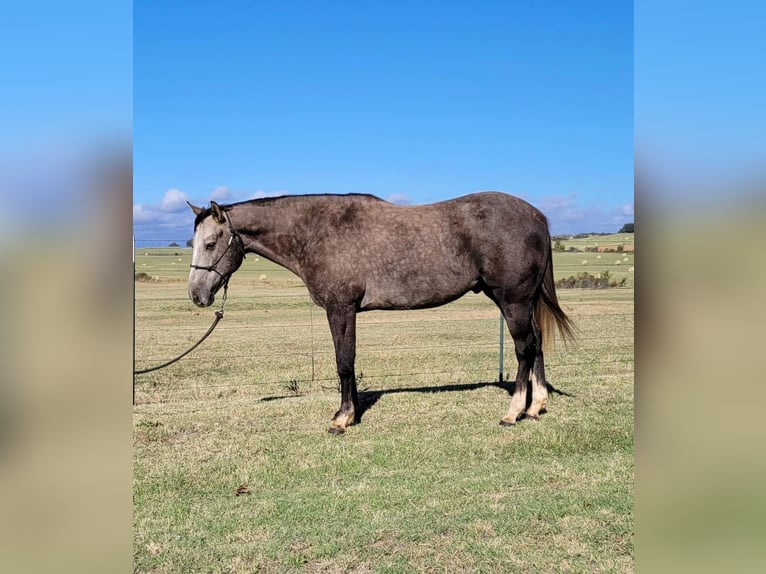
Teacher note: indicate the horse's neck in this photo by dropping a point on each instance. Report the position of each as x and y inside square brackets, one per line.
[272, 230]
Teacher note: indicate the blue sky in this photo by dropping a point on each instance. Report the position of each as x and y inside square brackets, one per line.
[699, 96]
[411, 101]
[66, 70]
[65, 105]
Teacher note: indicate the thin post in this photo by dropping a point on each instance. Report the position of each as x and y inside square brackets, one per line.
[311, 323]
[500, 354]
[134, 320]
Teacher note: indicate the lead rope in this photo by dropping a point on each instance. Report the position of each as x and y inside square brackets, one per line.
[218, 317]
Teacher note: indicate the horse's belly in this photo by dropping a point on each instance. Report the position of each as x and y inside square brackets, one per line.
[414, 292]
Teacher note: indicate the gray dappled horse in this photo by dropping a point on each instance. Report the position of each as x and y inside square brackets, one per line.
[358, 253]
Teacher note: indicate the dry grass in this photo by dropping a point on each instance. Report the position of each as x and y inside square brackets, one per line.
[428, 482]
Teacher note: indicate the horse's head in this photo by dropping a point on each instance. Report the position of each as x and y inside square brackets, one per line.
[217, 253]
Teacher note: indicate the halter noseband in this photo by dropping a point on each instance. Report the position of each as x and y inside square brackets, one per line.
[234, 237]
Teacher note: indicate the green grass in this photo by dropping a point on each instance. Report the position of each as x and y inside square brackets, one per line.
[428, 482]
[618, 264]
[596, 240]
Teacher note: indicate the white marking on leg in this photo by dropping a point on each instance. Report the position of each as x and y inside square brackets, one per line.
[343, 420]
[539, 397]
[518, 401]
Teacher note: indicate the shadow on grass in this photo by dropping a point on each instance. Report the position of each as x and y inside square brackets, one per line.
[368, 398]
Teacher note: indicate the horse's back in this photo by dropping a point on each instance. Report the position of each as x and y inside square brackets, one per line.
[497, 212]
[395, 256]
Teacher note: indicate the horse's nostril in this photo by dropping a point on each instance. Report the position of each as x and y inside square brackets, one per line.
[195, 297]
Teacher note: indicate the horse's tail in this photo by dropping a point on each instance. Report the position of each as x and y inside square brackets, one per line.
[548, 313]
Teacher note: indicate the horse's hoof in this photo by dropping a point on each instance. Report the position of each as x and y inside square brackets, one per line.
[505, 423]
[336, 430]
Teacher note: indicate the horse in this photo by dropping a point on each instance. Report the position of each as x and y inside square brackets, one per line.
[357, 253]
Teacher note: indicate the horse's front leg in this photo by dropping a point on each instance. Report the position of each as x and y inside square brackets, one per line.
[342, 320]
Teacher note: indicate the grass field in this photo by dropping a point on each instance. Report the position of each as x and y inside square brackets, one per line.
[428, 482]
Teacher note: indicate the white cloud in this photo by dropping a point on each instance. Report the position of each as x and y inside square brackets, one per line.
[141, 213]
[568, 215]
[220, 193]
[557, 202]
[173, 200]
[561, 209]
[151, 217]
[399, 199]
[171, 218]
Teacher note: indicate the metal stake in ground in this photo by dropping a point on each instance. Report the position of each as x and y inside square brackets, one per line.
[500, 356]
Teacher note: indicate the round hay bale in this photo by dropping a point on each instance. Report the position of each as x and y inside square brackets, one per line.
[630, 269]
[261, 277]
[618, 262]
[584, 261]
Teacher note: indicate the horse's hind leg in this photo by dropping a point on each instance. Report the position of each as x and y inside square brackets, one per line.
[539, 384]
[518, 316]
[342, 321]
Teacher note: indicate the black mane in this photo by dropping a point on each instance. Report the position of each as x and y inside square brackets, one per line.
[264, 200]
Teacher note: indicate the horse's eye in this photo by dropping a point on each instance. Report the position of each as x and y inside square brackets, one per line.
[210, 246]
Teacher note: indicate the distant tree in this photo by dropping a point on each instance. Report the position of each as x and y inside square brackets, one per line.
[190, 242]
[174, 244]
[627, 228]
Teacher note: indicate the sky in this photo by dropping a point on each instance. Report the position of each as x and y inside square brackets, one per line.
[414, 102]
[66, 71]
[699, 94]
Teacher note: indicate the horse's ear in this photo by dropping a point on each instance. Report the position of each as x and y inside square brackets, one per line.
[195, 209]
[217, 212]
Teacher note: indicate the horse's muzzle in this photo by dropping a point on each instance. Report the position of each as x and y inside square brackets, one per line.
[199, 302]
